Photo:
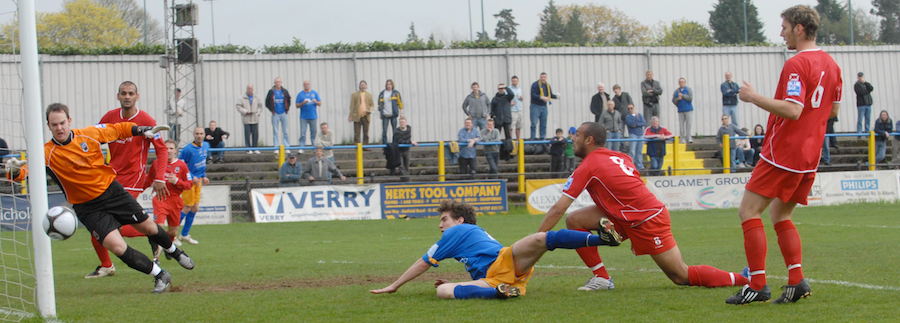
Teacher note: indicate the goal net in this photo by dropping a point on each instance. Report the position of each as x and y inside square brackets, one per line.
[17, 280]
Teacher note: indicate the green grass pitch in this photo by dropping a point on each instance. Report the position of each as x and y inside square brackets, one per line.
[323, 271]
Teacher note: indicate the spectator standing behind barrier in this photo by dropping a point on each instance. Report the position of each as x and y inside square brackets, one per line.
[468, 137]
[501, 111]
[736, 152]
[757, 143]
[650, 92]
[476, 107]
[250, 107]
[883, 127]
[541, 96]
[491, 152]
[516, 107]
[174, 112]
[656, 147]
[325, 139]
[391, 107]
[570, 150]
[278, 101]
[557, 154]
[361, 107]
[290, 172]
[683, 99]
[319, 169]
[730, 91]
[308, 102]
[612, 121]
[403, 136]
[598, 102]
[215, 136]
[863, 91]
[622, 100]
[636, 123]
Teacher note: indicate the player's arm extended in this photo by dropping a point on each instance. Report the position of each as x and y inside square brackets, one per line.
[555, 214]
[417, 268]
[162, 157]
[781, 108]
[835, 108]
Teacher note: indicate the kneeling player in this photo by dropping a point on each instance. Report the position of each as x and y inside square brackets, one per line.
[75, 161]
[497, 271]
[178, 179]
[619, 194]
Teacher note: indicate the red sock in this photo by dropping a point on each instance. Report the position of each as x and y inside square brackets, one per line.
[102, 253]
[708, 276]
[591, 258]
[755, 248]
[130, 231]
[791, 250]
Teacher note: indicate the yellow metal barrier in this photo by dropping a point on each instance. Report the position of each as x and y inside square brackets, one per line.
[674, 155]
[441, 170]
[726, 154]
[280, 156]
[521, 154]
[25, 181]
[871, 150]
[360, 177]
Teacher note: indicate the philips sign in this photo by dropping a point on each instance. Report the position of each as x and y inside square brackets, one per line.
[859, 184]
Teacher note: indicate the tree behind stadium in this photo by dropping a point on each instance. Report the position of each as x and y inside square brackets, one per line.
[727, 22]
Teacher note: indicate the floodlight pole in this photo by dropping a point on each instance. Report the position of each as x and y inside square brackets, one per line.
[37, 179]
[212, 21]
[471, 38]
[145, 22]
[850, 7]
[483, 32]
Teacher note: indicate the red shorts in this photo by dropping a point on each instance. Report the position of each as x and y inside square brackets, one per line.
[773, 182]
[652, 237]
[168, 210]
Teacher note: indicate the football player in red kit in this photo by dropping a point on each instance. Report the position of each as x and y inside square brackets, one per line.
[808, 94]
[129, 159]
[622, 201]
[178, 179]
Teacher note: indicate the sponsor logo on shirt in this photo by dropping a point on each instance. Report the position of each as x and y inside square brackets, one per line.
[84, 147]
[568, 183]
[794, 85]
[100, 126]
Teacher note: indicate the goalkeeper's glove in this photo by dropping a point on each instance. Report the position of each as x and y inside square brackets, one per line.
[13, 165]
[148, 131]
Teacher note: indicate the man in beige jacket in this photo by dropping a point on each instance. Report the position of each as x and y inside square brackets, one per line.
[250, 106]
[361, 107]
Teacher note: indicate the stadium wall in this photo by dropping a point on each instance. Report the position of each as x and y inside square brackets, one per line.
[434, 83]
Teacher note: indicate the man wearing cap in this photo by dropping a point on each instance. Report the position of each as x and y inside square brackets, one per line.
[289, 174]
[863, 91]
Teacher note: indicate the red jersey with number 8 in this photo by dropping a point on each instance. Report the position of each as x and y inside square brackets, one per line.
[615, 186]
[813, 80]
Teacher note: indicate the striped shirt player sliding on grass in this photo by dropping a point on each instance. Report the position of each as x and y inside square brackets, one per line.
[497, 271]
[808, 94]
[623, 201]
[75, 161]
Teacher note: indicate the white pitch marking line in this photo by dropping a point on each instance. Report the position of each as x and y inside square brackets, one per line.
[811, 280]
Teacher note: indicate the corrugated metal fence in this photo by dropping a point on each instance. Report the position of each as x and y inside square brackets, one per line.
[434, 83]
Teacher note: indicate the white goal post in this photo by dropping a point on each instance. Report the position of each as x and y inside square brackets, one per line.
[34, 136]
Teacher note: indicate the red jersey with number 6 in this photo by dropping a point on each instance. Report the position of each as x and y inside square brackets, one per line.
[813, 80]
[609, 177]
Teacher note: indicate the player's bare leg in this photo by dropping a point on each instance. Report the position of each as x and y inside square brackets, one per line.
[755, 247]
[160, 237]
[791, 249]
[136, 260]
[586, 219]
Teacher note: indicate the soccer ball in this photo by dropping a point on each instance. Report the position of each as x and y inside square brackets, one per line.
[60, 223]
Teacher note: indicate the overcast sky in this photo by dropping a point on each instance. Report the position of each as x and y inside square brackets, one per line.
[274, 22]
